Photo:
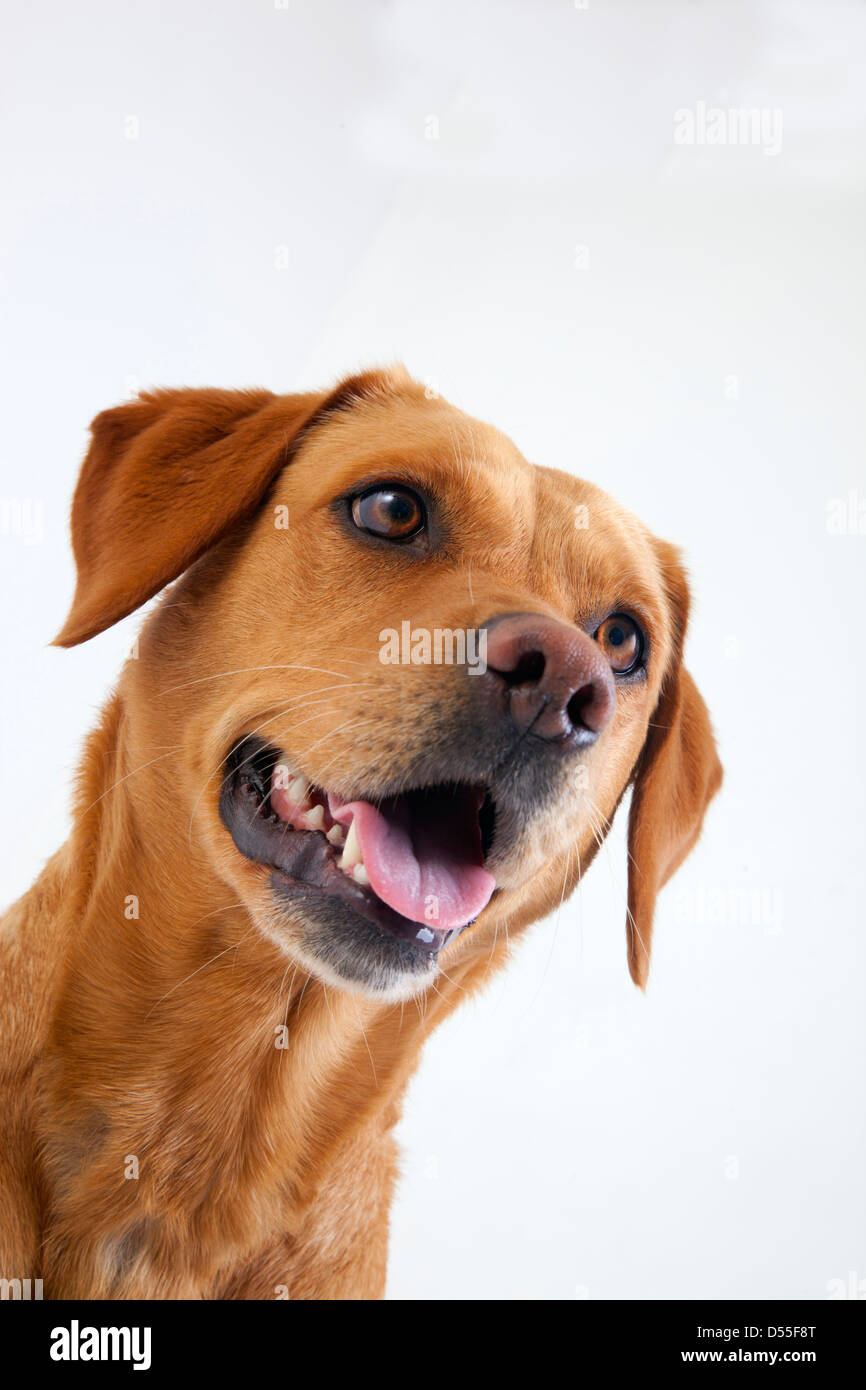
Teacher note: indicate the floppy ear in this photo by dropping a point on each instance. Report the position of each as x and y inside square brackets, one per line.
[677, 775]
[164, 478]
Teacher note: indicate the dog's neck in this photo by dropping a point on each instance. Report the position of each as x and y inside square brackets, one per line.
[200, 1084]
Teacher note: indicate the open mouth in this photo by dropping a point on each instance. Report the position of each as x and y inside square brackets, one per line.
[412, 864]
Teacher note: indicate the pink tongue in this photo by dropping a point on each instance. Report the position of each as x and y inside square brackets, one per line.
[424, 862]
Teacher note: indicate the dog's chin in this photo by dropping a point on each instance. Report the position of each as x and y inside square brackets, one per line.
[362, 921]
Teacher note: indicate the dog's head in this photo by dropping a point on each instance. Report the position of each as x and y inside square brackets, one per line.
[408, 675]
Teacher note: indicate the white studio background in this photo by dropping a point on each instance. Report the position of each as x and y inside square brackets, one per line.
[235, 193]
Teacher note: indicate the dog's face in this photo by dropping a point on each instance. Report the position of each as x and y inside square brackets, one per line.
[410, 674]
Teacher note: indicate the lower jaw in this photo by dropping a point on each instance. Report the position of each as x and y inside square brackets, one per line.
[335, 895]
[349, 949]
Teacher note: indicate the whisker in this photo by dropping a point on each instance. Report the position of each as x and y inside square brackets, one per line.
[221, 764]
[197, 971]
[366, 1044]
[126, 778]
[248, 670]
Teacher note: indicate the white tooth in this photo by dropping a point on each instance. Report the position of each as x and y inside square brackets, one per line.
[360, 875]
[336, 835]
[352, 853]
[297, 790]
[315, 819]
[281, 777]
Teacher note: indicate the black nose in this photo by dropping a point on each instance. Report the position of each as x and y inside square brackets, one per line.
[548, 678]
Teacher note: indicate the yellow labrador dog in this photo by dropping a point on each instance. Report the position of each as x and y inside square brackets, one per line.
[386, 709]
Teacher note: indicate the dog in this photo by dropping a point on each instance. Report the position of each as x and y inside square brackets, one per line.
[298, 844]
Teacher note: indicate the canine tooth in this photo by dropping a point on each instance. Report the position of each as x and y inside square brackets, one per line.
[360, 875]
[315, 819]
[336, 835]
[297, 790]
[352, 853]
[281, 777]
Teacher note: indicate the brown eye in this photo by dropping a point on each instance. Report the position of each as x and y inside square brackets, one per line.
[621, 641]
[392, 512]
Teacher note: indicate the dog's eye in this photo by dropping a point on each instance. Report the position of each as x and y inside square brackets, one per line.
[621, 640]
[392, 512]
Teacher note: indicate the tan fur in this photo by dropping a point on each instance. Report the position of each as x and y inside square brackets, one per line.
[151, 1038]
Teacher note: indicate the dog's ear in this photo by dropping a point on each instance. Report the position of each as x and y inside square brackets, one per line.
[677, 775]
[165, 476]
[168, 474]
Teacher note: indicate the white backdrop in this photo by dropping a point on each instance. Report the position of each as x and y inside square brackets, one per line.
[235, 193]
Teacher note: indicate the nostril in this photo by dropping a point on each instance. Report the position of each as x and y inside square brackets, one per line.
[528, 671]
[580, 707]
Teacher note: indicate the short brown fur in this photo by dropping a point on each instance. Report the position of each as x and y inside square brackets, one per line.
[146, 1042]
